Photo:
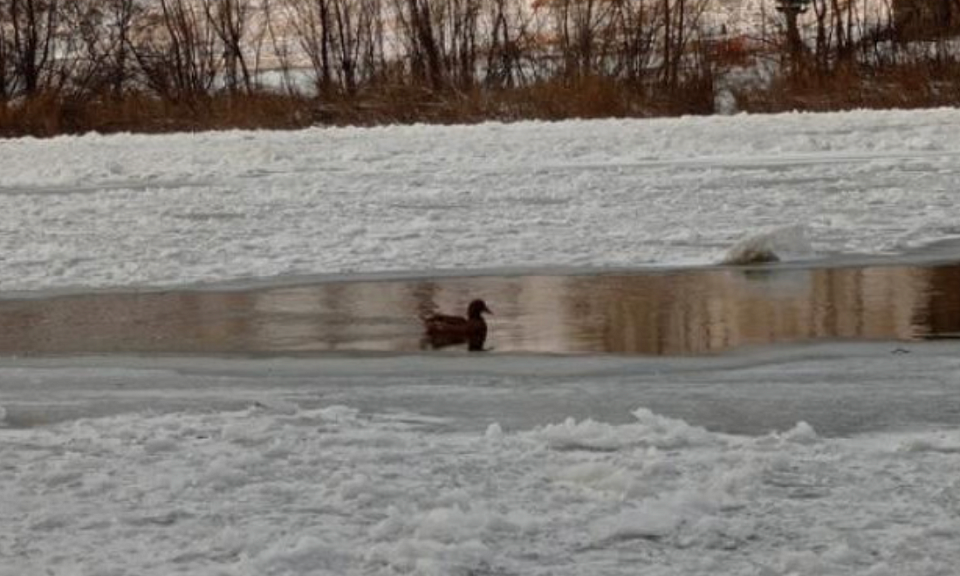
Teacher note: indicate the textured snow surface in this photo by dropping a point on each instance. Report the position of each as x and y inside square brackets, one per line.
[332, 491]
[486, 476]
[171, 209]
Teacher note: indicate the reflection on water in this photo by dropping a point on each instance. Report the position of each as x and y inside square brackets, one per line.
[685, 312]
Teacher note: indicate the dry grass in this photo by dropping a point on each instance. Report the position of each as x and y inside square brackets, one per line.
[907, 85]
[49, 115]
[920, 84]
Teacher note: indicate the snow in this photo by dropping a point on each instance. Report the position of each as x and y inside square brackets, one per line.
[106, 211]
[779, 244]
[261, 468]
[432, 465]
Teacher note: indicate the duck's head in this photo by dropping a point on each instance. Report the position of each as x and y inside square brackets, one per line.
[476, 308]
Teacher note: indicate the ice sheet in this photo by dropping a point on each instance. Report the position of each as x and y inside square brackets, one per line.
[516, 465]
[171, 209]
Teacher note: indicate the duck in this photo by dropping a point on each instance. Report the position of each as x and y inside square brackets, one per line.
[442, 330]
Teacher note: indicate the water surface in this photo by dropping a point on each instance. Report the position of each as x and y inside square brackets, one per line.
[676, 312]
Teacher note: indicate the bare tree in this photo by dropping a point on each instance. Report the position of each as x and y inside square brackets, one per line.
[93, 46]
[6, 55]
[417, 28]
[122, 14]
[508, 24]
[354, 41]
[310, 22]
[575, 25]
[275, 29]
[633, 30]
[32, 27]
[230, 21]
[177, 50]
[458, 28]
[681, 21]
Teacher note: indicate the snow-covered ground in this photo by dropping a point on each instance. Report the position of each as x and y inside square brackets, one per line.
[825, 460]
[816, 461]
[162, 210]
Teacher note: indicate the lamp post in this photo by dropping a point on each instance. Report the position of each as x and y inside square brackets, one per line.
[792, 9]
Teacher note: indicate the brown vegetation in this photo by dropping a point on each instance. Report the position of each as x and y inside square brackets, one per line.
[69, 66]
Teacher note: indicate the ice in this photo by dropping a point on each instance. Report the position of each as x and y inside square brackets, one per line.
[802, 433]
[780, 244]
[173, 209]
[494, 431]
[298, 555]
[651, 430]
[358, 505]
[415, 466]
[942, 443]
[657, 518]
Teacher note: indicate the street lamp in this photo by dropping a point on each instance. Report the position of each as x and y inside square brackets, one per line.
[791, 10]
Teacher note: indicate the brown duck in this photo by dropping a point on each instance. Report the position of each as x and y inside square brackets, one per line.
[442, 330]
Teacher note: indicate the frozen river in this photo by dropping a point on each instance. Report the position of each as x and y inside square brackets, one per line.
[210, 362]
[166, 210]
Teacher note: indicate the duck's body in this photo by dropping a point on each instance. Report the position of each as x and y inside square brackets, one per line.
[445, 330]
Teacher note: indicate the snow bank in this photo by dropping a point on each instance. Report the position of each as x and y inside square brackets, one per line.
[173, 209]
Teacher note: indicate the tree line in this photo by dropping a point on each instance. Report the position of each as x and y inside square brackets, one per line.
[68, 65]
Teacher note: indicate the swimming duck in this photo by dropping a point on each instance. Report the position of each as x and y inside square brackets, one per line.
[444, 330]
